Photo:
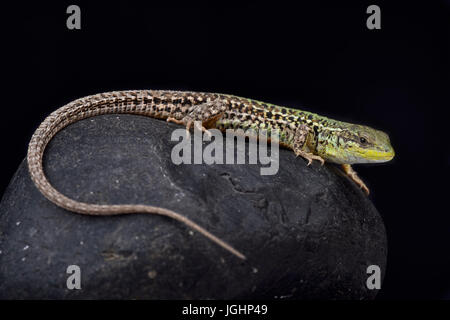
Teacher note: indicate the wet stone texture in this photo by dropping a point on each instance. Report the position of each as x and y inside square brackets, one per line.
[308, 232]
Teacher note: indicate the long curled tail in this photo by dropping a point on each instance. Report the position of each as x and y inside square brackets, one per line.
[140, 102]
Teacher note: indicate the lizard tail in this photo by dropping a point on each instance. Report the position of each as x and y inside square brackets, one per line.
[132, 102]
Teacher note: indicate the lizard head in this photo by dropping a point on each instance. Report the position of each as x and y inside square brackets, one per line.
[350, 143]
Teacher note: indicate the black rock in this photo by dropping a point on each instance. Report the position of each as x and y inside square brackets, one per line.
[308, 232]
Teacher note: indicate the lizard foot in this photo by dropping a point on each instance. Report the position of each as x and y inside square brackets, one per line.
[173, 120]
[204, 116]
[198, 126]
[309, 156]
[354, 176]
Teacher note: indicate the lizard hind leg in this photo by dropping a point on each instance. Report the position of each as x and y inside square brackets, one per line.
[300, 136]
[354, 176]
[207, 114]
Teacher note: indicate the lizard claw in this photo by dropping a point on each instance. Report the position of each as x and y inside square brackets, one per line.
[188, 127]
[310, 157]
[365, 189]
[200, 127]
[207, 132]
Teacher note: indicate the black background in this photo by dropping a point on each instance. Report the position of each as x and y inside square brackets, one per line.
[314, 55]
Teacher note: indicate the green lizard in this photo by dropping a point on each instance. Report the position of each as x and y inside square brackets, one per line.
[309, 135]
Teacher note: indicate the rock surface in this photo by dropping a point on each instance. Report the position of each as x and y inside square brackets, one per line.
[308, 232]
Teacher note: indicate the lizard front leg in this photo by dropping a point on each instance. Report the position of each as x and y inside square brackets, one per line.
[354, 176]
[299, 142]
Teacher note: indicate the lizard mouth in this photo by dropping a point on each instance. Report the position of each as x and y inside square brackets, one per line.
[379, 156]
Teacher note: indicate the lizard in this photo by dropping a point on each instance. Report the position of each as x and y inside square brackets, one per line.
[310, 136]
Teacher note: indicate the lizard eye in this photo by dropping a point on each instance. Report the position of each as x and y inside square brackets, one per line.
[362, 140]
